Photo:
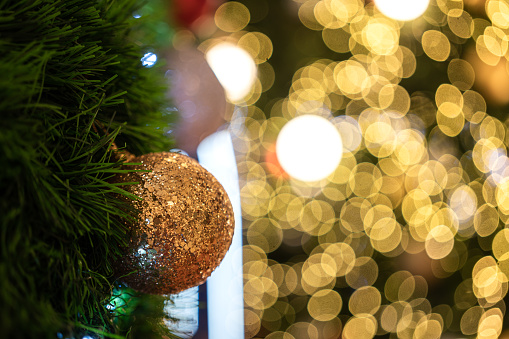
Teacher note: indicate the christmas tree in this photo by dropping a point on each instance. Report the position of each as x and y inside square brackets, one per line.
[371, 140]
[74, 81]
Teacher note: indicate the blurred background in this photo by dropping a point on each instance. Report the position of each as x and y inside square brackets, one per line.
[370, 140]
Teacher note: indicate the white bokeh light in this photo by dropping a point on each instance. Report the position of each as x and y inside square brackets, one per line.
[234, 68]
[309, 148]
[149, 59]
[402, 10]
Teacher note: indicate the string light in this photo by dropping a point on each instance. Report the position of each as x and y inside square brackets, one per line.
[149, 59]
[419, 176]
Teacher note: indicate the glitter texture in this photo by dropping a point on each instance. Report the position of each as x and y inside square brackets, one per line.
[185, 224]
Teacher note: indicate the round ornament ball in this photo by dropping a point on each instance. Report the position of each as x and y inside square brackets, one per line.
[185, 224]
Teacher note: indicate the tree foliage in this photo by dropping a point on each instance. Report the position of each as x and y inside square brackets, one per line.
[66, 65]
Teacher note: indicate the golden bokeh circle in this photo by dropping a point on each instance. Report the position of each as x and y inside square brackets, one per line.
[325, 305]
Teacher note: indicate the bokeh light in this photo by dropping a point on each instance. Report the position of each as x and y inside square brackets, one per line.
[309, 148]
[234, 68]
[402, 9]
[232, 16]
[149, 59]
[395, 224]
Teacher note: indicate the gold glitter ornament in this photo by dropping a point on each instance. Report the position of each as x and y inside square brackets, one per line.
[185, 224]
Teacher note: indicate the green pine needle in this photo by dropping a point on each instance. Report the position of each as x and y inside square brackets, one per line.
[65, 65]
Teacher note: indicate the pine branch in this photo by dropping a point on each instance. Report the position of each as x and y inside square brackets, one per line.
[64, 65]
